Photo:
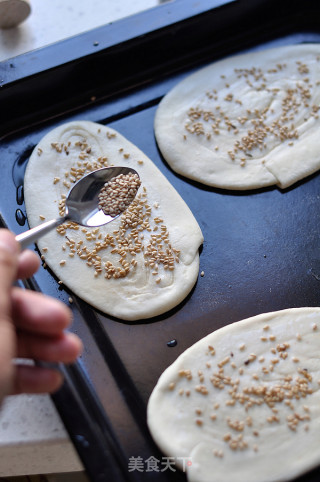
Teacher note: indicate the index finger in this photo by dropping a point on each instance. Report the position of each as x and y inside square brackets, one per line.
[9, 251]
[29, 263]
[37, 313]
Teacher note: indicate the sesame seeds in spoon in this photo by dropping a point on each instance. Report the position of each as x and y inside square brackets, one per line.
[96, 199]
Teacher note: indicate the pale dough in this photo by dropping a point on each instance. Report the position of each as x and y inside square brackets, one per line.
[131, 268]
[247, 121]
[243, 403]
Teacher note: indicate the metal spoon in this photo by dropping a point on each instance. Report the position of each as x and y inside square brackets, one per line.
[81, 205]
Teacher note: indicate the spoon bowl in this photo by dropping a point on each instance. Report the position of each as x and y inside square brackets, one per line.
[82, 204]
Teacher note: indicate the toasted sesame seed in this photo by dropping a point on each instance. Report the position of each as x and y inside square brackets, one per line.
[130, 239]
[118, 193]
[211, 350]
[201, 389]
[224, 361]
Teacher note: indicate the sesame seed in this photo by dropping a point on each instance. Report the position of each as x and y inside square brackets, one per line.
[202, 389]
[218, 453]
[130, 239]
[118, 193]
[211, 350]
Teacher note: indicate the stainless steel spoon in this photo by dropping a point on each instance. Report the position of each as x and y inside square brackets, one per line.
[81, 205]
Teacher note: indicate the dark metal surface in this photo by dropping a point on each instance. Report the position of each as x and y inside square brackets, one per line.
[261, 250]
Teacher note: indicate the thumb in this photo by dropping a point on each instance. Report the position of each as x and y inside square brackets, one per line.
[9, 255]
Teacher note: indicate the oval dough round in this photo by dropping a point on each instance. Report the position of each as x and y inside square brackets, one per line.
[247, 121]
[140, 265]
[243, 403]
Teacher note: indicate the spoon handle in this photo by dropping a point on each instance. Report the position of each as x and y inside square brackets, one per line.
[32, 235]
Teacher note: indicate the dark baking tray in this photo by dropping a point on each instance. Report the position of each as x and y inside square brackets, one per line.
[261, 249]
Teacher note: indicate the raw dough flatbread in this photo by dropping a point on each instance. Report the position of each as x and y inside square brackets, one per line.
[243, 403]
[247, 121]
[149, 254]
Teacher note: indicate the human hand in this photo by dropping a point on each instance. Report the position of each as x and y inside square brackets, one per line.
[31, 326]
